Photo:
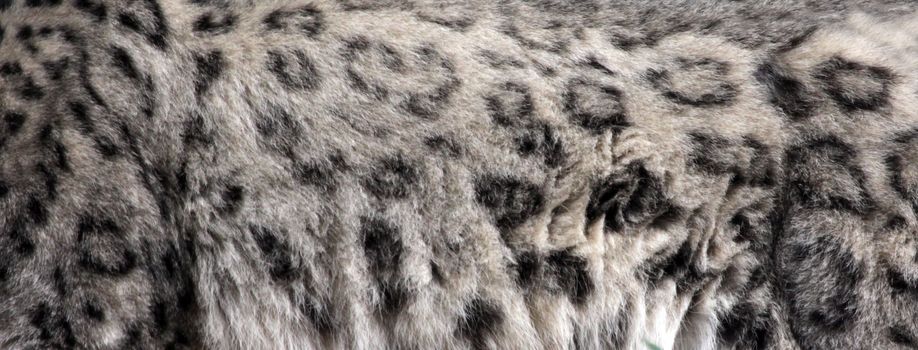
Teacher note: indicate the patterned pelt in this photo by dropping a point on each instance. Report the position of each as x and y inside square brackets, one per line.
[476, 174]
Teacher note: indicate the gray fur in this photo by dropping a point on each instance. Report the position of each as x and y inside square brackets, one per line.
[464, 174]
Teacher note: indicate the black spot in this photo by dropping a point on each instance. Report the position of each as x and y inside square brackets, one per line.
[51, 181]
[37, 212]
[541, 139]
[745, 327]
[13, 121]
[511, 201]
[511, 105]
[196, 132]
[25, 33]
[60, 154]
[180, 340]
[170, 267]
[597, 108]
[899, 161]
[157, 181]
[86, 125]
[298, 73]
[60, 282]
[180, 183]
[156, 31]
[807, 186]
[104, 248]
[821, 281]
[315, 173]
[763, 168]
[94, 311]
[5, 271]
[232, 200]
[51, 140]
[161, 319]
[366, 5]
[393, 298]
[4, 189]
[5, 4]
[320, 316]
[748, 230]
[633, 197]
[901, 335]
[55, 69]
[45, 32]
[855, 86]
[554, 44]
[427, 104]
[717, 156]
[186, 298]
[30, 90]
[381, 243]
[355, 46]
[106, 147]
[500, 61]
[594, 63]
[383, 248]
[276, 253]
[680, 267]
[322, 173]
[444, 144]
[359, 82]
[96, 9]
[529, 267]
[479, 321]
[209, 24]
[797, 40]
[53, 328]
[86, 81]
[209, 68]
[133, 336]
[37, 3]
[458, 24]
[278, 123]
[572, 275]
[529, 141]
[901, 283]
[33, 215]
[785, 92]
[707, 76]
[436, 273]
[18, 233]
[896, 222]
[125, 63]
[306, 19]
[393, 177]
[361, 48]
[711, 154]
[10, 68]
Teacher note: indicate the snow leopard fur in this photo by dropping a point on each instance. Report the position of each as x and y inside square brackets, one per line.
[419, 174]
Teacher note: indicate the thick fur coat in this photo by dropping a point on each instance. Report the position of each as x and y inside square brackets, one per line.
[542, 174]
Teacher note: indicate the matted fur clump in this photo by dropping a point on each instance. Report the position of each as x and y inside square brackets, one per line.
[539, 174]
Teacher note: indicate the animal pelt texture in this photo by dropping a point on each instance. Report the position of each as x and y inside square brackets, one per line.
[466, 174]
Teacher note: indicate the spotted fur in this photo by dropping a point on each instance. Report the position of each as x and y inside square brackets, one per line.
[527, 174]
